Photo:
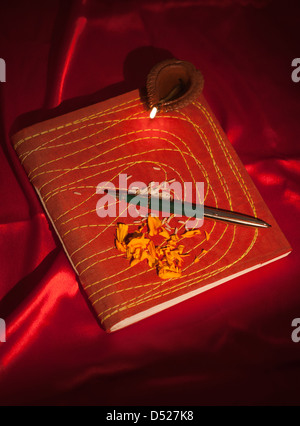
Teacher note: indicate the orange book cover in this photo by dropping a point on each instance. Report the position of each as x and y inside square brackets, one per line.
[67, 157]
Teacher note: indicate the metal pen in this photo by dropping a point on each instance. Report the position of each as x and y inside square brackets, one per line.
[188, 209]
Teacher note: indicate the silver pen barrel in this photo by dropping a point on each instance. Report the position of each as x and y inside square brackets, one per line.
[188, 209]
[233, 217]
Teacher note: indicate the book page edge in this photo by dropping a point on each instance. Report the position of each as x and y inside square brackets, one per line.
[162, 306]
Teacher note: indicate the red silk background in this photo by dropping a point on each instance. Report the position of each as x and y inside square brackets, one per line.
[231, 345]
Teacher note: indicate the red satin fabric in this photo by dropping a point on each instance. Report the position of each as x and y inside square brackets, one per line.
[230, 345]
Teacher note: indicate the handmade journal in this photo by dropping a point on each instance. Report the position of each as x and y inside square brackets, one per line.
[132, 263]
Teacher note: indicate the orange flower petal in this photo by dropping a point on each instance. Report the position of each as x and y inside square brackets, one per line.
[151, 249]
[164, 233]
[167, 259]
[137, 253]
[144, 255]
[190, 234]
[121, 246]
[138, 242]
[134, 262]
[128, 254]
[122, 232]
[154, 223]
[167, 273]
[151, 261]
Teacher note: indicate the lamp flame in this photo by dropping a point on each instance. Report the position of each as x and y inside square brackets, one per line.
[153, 112]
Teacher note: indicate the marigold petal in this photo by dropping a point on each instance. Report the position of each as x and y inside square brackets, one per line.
[154, 223]
[159, 252]
[122, 232]
[138, 242]
[144, 255]
[167, 273]
[164, 233]
[190, 234]
[172, 244]
[121, 246]
[128, 254]
[137, 253]
[151, 249]
[151, 261]
[139, 246]
[134, 262]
